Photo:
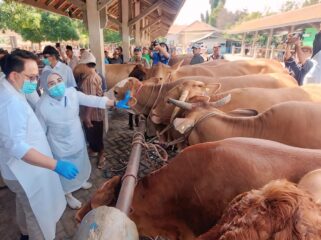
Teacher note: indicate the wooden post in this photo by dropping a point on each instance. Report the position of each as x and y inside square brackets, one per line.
[253, 43]
[137, 25]
[268, 44]
[243, 45]
[96, 41]
[272, 52]
[125, 29]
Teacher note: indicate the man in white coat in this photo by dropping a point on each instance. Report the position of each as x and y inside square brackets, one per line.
[26, 161]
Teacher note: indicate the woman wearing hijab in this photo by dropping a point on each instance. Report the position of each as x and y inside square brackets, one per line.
[58, 112]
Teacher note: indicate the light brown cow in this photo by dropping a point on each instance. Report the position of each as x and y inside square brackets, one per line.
[234, 68]
[259, 99]
[185, 198]
[311, 182]
[293, 123]
[145, 94]
[279, 210]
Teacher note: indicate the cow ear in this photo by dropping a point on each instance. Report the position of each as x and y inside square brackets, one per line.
[132, 101]
[182, 125]
[197, 99]
[177, 66]
[243, 112]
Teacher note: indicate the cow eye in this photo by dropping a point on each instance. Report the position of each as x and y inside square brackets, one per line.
[115, 92]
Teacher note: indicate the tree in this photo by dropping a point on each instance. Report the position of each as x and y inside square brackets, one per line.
[289, 5]
[310, 2]
[207, 17]
[111, 36]
[202, 17]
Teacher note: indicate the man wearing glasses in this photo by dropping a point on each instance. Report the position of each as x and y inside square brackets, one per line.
[26, 161]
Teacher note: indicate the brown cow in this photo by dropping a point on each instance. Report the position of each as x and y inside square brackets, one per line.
[279, 210]
[234, 68]
[145, 94]
[187, 197]
[259, 99]
[311, 182]
[293, 123]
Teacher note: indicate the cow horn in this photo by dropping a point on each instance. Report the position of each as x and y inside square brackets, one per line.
[180, 104]
[222, 101]
[182, 98]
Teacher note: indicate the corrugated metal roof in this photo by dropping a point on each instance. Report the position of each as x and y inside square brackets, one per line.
[304, 15]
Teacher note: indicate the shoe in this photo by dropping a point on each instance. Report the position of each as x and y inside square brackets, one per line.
[101, 163]
[73, 202]
[86, 185]
[24, 237]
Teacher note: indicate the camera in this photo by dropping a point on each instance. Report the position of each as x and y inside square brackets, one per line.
[153, 44]
[292, 37]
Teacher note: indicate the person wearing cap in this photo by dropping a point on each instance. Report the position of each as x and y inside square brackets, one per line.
[53, 62]
[197, 58]
[216, 52]
[72, 59]
[138, 58]
[90, 83]
[58, 112]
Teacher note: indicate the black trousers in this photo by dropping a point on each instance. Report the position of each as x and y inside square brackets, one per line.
[95, 135]
[131, 120]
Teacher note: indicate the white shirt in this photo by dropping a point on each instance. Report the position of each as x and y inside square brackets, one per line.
[20, 129]
[314, 75]
[65, 72]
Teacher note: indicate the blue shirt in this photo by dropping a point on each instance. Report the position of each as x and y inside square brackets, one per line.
[157, 57]
[106, 61]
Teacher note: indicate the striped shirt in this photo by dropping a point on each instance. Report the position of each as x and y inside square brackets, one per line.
[91, 85]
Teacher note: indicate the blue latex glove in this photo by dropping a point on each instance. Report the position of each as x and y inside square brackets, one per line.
[66, 169]
[123, 103]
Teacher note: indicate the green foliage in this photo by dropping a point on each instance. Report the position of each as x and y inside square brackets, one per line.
[216, 7]
[36, 25]
[310, 2]
[111, 36]
[289, 5]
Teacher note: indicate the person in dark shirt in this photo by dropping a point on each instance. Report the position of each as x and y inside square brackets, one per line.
[197, 58]
[297, 69]
[116, 57]
[216, 52]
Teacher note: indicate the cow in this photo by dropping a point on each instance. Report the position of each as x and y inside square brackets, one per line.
[293, 123]
[311, 182]
[234, 68]
[188, 196]
[259, 99]
[279, 210]
[144, 94]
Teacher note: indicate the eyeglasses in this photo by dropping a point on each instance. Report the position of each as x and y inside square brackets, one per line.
[33, 78]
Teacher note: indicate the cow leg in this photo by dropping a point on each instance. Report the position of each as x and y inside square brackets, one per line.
[136, 120]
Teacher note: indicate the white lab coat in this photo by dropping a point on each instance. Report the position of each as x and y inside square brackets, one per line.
[314, 75]
[62, 125]
[20, 131]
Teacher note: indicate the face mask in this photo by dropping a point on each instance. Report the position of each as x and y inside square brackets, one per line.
[46, 61]
[57, 91]
[28, 87]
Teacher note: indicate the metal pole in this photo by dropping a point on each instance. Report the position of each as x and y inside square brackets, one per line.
[130, 178]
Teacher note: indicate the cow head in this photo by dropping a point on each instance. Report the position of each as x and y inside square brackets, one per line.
[164, 112]
[132, 84]
[163, 71]
[106, 195]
